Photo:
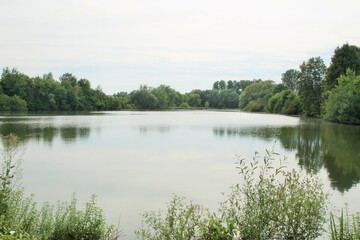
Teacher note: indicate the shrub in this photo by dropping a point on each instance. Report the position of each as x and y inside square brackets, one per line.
[181, 221]
[272, 203]
[276, 203]
[21, 219]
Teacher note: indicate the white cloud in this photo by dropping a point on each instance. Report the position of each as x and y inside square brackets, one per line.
[185, 44]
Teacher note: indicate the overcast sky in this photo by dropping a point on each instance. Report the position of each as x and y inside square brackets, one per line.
[186, 44]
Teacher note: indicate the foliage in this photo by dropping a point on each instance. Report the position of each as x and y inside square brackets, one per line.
[286, 102]
[346, 56]
[20, 93]
[345, 227]
[310, 86]
[162, 97]
[255, 97]
[265, 207]
[270, 203]
[21, 219]
[13, 103]
[342, 104]
[290, 77]
[233, 85]
[181, 221]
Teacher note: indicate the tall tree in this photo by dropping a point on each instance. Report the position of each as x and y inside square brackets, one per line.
[222, 85]
[310, 85]
[290, 77]
[216, 85]
[230, 85]
[347, 56]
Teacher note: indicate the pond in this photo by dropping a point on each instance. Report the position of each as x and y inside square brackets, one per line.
[134, 161]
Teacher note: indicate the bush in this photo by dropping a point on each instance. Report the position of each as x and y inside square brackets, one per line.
[181, 221]
[272, 203]
[21, 219]
[277, 204]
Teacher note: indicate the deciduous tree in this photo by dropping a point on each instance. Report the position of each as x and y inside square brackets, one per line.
[310, 86]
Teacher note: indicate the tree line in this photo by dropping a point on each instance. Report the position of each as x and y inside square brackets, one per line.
[312, 90]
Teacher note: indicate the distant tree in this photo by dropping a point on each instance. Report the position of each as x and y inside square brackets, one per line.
[242, 84]
[347, 56]
[343, 103]
[216, 86]
[222, 85]
[194, 99]
[230, 85]
[143, 98]
[14, 82]
[68, 80]
[290, 77]
[256, 96]
[310, 86]
[13, 103]
[285, 102]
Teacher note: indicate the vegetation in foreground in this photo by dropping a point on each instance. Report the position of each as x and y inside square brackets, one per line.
[20, 217]
[270, 203]
[345, 227]
[313, 90]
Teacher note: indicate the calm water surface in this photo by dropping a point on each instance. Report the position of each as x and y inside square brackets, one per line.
[135, 161]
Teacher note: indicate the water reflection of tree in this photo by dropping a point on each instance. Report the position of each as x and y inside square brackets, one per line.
[309, 147]
[45, 133]
[317, 144]
[342, 154]
[161, 129]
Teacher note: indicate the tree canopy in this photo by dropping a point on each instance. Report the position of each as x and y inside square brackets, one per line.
[310, 86]
[343, 103]
[290, 77]
[346, 56]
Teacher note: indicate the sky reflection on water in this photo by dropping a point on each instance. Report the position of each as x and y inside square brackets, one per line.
[135, 161]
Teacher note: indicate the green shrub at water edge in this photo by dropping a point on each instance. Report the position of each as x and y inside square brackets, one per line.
[274, 202]
[269, 203]
[20, 217]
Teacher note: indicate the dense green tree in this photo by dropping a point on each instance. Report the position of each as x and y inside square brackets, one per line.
[13, 103]
[21, 92]
[310, 86]
[290, 77]
[347, 56]
[285, 102]
[194, 99]
[343, 103]
[68, 80]
[216, 85]
[256, 96]
[230, 85]
[222, 85]
[143, 98]
[15, 83]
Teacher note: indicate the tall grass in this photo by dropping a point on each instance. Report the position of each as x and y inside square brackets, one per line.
[345, 227]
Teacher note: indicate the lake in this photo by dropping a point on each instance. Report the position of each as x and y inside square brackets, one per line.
[134, 161]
